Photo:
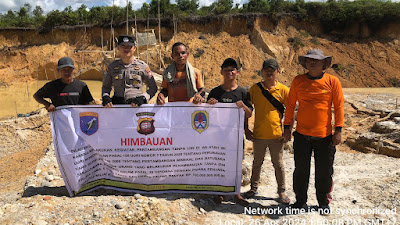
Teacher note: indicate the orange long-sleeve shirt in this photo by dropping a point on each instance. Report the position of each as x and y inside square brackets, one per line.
[315, 97]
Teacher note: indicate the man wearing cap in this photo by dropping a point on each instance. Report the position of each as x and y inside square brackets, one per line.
[268, 98]
[127, 76]
[315, 92]
[181, 81]
[65, 90]
[230, 92]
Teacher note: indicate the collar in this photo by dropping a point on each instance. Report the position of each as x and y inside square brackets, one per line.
[276, 87]
[315, 78]
[134, 61]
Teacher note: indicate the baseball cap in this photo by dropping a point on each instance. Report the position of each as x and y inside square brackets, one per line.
[229, 62]
[126, 40]
[65, 62]
[270, 63]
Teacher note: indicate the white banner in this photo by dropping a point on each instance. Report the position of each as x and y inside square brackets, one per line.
[177, 147]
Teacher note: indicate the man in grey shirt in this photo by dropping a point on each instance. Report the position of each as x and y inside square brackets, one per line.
[127, 76]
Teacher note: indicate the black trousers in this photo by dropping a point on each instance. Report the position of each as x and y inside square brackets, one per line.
[324, 154]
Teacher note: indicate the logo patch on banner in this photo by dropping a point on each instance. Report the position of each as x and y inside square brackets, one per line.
[145, 124]
[89, 122]
[200, 121]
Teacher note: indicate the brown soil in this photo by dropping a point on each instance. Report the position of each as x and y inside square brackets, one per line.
[367, 63]
[22, 145]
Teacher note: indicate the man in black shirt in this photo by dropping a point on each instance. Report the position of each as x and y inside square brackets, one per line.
[230, 92]
[65, 90]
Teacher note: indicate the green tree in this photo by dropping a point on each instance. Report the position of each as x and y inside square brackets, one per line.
[38, 15]
[28, 7]
[222, 6]
[70, 17]
[9, 19]
[53, 19]
[83, 14]
[23, 12]
[256, 6]
[188, 6]
[276, 6]
[98, 15]
[38, 11]
[23, 19]
[166, 9]
[142, 12]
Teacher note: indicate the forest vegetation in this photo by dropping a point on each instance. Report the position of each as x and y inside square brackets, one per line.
[334, 15]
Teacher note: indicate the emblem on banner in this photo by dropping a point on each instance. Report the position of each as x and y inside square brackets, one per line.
[89, 122]
[145, 124]
[200, 121]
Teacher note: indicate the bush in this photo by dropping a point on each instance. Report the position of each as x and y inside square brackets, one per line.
[315, 41]
[394, 81]
[198, 53]
[296, 42]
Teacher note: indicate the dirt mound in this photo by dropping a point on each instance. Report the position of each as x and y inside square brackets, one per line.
[28, 63]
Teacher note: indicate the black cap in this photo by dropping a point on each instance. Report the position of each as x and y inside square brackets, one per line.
[270, 63]
[229, 62]
[65, 62]
[126, 40]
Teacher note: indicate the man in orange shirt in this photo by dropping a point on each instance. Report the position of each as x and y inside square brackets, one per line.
[181, 81]
[315, 92]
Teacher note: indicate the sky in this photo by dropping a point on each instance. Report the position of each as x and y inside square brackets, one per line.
[49, 5]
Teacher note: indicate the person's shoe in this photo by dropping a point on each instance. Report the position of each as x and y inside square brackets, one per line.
[324, 210]
[283, 199]
[240, 200]
[298, 205]
[298, 208]
[250, 194]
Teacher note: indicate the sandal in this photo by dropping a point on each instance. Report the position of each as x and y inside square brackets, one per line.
[218, 199]
[240, 200]
[250, 194]
[284, 199]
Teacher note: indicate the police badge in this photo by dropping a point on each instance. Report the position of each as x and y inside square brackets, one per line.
[145, 124]
[89, 122]
[200, 121]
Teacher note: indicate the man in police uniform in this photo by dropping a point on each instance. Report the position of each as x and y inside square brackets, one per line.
[127, 75]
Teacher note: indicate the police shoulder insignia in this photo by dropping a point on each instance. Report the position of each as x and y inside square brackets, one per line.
[89, 122]
[200, 121]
